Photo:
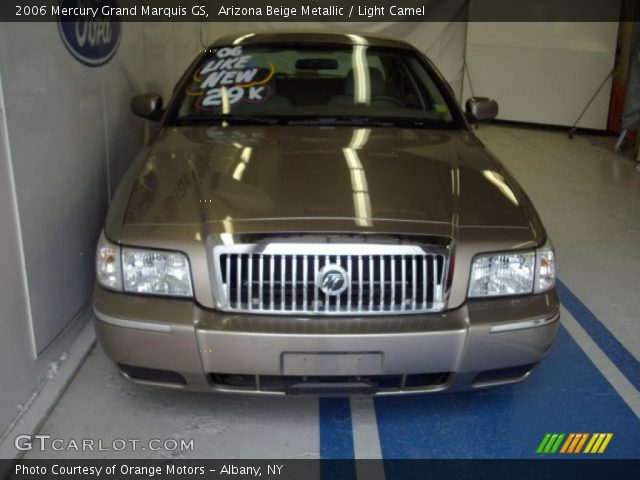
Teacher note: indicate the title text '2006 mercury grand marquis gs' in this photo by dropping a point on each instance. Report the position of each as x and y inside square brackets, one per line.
[314, 215]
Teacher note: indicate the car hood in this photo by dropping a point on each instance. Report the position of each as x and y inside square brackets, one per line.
[198, 175]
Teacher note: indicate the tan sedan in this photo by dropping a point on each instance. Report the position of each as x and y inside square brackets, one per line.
[314, 215]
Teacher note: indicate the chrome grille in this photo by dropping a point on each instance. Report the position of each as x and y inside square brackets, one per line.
[281, 278]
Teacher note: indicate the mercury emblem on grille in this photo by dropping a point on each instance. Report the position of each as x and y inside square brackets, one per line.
[332, 279]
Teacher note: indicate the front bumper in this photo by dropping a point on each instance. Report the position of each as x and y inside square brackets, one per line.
[176, 343]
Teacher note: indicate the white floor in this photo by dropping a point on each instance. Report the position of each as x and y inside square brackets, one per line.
[589, 199]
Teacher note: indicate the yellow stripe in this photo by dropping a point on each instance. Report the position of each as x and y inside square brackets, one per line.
[596, 445]
[605, 443]
[574, 443]
[590, 444]
[566, 444]
[584, 439]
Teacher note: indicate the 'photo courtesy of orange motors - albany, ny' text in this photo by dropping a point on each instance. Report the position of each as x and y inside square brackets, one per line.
[151, 471]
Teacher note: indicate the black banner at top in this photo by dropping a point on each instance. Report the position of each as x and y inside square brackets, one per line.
[319, 10]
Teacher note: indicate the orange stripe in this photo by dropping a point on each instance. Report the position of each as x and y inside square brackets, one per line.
[574, 443]
[566, 444]
[584, 439]
[605, 443]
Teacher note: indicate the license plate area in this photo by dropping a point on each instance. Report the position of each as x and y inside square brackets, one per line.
[331, 364]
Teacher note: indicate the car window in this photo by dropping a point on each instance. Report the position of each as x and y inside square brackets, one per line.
[313, 81]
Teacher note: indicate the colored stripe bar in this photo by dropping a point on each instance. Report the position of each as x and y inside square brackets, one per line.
[605, 443]
[550, 443]
[574, 444]
[596, 446]
[543, 443]
[598, 440]
[581, 443]
[594, 437]
[557, 444]
[619, 355]
[568, 442]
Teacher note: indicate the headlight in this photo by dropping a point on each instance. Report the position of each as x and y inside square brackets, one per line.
[156, 272]
[137, 270]
[513, 273]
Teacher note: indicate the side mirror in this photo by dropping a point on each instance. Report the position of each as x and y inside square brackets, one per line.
[148, 105]
[479, 109]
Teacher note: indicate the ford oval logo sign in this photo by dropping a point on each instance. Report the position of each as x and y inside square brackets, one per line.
[91, 40]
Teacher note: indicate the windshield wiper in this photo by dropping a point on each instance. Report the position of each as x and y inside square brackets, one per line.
[234, 119]
[302, 120]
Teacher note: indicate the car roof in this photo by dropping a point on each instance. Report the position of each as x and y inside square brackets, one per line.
[339, 38]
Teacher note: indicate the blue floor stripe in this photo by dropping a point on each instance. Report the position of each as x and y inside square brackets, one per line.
[336, 430]
[566, 393]
[619, 355]
[336, 439]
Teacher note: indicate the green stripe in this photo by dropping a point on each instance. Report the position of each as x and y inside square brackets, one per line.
[547, 449]
[542, 443]
[557, 445]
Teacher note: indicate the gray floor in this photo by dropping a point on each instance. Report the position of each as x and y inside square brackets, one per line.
[589, 199]
[100, 404]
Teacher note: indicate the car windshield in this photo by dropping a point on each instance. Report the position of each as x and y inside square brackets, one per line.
[313, 84]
